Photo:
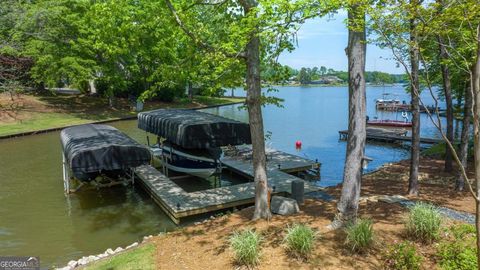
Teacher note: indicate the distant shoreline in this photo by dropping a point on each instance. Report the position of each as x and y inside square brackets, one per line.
[329, 85]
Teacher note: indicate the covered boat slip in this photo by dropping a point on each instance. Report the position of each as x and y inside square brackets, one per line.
[89, 150]
[178, 203]
[192, 129]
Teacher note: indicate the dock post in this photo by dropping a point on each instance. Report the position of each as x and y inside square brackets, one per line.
[298, 190]
[132, 171]
[66, 176]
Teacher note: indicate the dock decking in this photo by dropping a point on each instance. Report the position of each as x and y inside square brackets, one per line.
[178, 203]
[390, 136]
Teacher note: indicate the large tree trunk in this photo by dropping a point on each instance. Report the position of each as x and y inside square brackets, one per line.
[465, 137]
[476, 128]
[415, 88]
[254, 105]
[447, 89]
[352, 174]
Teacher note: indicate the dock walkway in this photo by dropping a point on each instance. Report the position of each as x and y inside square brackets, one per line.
[178, 203]
[390, 136]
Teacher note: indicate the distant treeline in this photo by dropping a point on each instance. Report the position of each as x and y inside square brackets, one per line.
[324, 75]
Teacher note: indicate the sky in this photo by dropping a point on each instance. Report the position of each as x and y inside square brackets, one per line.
[322, 42]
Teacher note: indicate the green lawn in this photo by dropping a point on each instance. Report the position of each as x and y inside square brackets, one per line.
[41, 121]
[87, 110]
[141, 258]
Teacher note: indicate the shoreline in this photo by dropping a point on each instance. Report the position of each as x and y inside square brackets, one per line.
[132, 117]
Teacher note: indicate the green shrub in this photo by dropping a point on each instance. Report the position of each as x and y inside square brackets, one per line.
[299, 240]
[402, 256]
[246, 247]
[359, 235]
[423, 222]
[459, 252]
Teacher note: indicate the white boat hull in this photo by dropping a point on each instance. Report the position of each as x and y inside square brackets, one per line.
[182, 162]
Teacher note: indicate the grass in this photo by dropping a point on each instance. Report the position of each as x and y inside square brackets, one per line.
[142, 258]
[423, 222]
[246, 247]
[436, 150]
[359, 235]
[66, 110]
[300, 240]
[41, 121]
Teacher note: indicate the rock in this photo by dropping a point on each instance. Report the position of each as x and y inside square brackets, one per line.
[132, 245]
[102, 255]
[118, 249]
[72, 264]
[392, 199]
[284, 206]
[110, 251]
[92, 258]
[82, 261]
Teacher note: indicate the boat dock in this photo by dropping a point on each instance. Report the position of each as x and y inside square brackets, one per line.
[389, 136]
[178, 203]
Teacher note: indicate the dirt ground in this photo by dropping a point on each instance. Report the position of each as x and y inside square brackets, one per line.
[436, 186]
[205, 245]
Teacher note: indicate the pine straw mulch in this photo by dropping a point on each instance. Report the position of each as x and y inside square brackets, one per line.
[206, 245]
[435, 185]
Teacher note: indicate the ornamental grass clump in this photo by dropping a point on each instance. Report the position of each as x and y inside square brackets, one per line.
[359, 235]
[300, 240]
[246, 247]
[423, 222]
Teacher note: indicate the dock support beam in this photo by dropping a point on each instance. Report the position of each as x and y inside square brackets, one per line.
[66, 175]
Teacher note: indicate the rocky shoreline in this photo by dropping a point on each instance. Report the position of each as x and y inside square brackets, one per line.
[108, 253]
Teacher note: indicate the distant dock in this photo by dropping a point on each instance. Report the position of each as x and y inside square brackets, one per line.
[179, 204]
[389, 136]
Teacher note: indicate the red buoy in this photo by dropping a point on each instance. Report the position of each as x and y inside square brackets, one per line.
[298, 144]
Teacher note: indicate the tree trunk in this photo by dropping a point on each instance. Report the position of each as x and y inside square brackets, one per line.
[476, 128]
[254, 105]
[415, 88]
[352, 174]
[465, 137]
[190, 90]
[447, 89]
[91, 85]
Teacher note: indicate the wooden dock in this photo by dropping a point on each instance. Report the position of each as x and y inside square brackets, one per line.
[390, 136]
[178, 204]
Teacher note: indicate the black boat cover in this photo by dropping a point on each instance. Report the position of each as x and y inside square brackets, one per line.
[192, 129]
[96, 148]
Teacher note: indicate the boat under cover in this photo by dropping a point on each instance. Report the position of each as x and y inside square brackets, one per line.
[91, 150]
[200, 163]
[192, 129]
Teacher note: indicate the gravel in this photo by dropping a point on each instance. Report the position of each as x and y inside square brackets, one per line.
[448, 212]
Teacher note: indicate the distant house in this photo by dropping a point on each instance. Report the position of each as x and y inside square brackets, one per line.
[292, 80]
[329, 79]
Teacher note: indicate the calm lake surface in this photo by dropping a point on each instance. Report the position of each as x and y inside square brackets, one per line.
[36, 219]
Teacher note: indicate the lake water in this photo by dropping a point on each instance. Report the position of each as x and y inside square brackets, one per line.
[314, 115]
[36, 219]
